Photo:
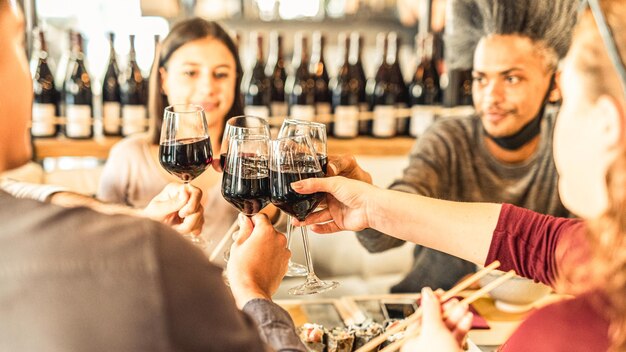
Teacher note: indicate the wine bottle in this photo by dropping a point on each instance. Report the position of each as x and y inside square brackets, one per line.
[424, 90]
[77, 94]
[397, 83]
[383, 95]
[345, 95]
[133, 95]
[300, 86]
[46, 99]
[256, 86]
[358, 75]
[111, 100]
[275, 70]
[319, 71]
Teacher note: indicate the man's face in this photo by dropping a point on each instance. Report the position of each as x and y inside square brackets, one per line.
[511, 79]
[16, 92]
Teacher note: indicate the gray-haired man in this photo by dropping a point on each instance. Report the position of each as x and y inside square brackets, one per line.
[503, 153]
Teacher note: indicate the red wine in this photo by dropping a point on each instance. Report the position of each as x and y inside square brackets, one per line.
[186, 158]
[46, 99]
[323, 162]
[286, 199]
[222, 160]
[345, 96]
[133, 95]
[256, 86]
[275, 70]
[300, 87]
[111, 100]
[424, 91]
[249, 195]
[77, 94]
[319, 72]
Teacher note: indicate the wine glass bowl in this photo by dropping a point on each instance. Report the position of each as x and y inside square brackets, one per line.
[246, 182]
[243, 125]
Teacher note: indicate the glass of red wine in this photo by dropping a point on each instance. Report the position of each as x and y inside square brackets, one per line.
[242, 126]
[293, 159]
[246, 182]
[185, 146]
[317, 133]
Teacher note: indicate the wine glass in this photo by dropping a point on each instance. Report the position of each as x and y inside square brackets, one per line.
[246, 183]
[292, 159]
[244, 125]
[317, 133]
[185, 147]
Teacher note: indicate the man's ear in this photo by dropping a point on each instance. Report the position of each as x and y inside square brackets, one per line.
[555, 95]
[611, 117]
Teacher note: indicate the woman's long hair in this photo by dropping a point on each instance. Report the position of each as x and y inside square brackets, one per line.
[181, 34]
[607, 234]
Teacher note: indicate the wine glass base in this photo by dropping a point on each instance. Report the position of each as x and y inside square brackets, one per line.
[296, 270]
[313, 286]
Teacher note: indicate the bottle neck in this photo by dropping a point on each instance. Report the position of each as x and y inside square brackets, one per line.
[317, 54]
[300, 53]
[381, 48]
[276, 49]
[354, 49]
[392, 49]
[132, 56]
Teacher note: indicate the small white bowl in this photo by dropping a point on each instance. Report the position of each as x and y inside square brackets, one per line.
[517, 294]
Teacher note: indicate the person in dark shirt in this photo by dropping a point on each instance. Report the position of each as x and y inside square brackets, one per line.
[73, 279]
[586, 257]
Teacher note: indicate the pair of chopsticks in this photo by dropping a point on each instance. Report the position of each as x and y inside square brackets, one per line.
[446, 296]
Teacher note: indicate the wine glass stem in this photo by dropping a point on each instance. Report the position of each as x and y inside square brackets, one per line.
[289, 229]
[307, 253]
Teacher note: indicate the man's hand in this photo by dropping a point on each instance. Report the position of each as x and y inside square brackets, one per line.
[346, 166]
[348, 203]
[258, 260]
[437, 334]
[178, 206]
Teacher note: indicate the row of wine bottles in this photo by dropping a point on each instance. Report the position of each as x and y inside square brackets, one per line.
[124, 94]
[349, 103]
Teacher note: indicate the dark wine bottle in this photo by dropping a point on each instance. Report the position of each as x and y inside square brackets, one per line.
[345, 95]
[77, 94]
[46, 99]
[300, 86]
[319, 71]
[255, 85]
[424, 90]
[275, 70]
[383, 94]
[111, 100]
[133, 95]
[358, 76]
[397, 83]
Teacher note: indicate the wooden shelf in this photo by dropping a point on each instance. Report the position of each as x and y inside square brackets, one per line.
[59, 147]
[100, 146]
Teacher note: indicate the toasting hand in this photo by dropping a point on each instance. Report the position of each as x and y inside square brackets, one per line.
[178, 205]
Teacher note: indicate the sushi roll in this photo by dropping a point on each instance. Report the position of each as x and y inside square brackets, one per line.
[312, 335]
[340, 340]
[365, 332]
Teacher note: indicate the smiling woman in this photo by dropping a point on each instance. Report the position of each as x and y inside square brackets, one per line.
[196, 64]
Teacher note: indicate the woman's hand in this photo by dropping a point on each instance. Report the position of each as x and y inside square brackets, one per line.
[438, 334]
[348, 203]
[178, 206]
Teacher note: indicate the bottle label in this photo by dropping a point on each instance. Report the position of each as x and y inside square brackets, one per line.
[257, 110]
[303, 112]
[279, 109]
[79, 120]
[384, 121]
[44, 120]
[324, 112]
[422, 116]
[133, 119]
[111, 117]
[346, 121]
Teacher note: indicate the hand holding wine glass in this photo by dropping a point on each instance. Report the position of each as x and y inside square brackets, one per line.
[185, 146]
[293, 159]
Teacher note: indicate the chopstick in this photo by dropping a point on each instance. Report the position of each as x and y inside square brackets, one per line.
[467, 300]
[454, 291]
[220, 246]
